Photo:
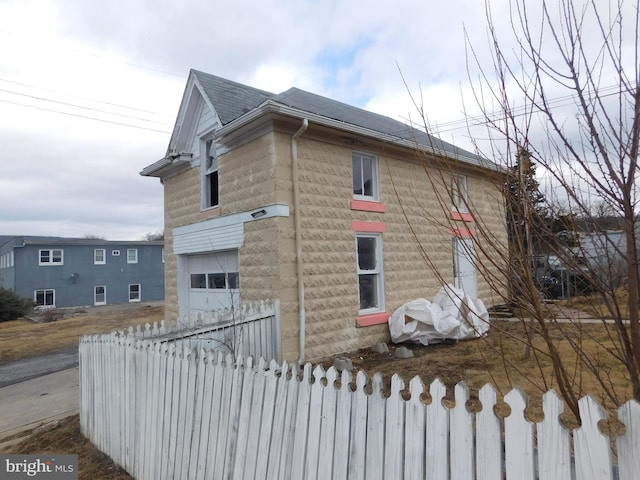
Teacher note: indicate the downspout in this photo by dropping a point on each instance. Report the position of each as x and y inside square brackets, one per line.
[297, 220]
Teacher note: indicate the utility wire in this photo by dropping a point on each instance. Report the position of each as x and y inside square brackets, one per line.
[83, 98]
[84, 116]
[83, 107]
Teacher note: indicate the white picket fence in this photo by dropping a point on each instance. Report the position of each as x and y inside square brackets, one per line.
[252, 330]
[163, 411]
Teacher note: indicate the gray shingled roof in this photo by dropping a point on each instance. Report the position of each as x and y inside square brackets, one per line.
[312, 103]
[230, 99]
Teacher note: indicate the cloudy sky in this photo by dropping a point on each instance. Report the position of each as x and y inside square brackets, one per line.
[89, 89]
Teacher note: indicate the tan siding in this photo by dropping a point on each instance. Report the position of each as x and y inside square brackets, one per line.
[418, 254]
[417, 244]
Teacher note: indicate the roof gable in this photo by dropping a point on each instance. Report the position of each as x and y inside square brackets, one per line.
[229, 99]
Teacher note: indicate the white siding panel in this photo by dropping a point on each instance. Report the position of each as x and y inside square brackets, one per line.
[222, 233]
[210, 240]
[206, 123]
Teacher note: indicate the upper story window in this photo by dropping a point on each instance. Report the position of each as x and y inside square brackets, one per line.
[54, 256]
[99, 256]
[132, 255]
[365, 177]
[459, 193]
[209, 165]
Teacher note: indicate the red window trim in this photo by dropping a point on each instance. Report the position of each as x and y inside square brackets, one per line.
[368, 206]
[372, 227]
[463, 232]
[373, 319]
[465, 217]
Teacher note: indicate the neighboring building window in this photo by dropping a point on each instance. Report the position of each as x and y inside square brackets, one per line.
[99, 256]
[134, 292]
[99, 295]
[459, 193]
[45, 297]
[162, 254]
[365, 177]
[370, 274]
[52, 257]
[115, 253]
[210, 192]
[132, 255]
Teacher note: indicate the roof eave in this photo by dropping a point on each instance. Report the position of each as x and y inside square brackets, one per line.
[167, 165]
[273, 107]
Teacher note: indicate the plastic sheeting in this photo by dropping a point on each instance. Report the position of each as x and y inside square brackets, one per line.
[451, 316]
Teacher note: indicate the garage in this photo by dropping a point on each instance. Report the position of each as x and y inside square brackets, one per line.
[213, 282]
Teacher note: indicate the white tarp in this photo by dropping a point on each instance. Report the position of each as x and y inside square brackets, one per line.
[452, 315]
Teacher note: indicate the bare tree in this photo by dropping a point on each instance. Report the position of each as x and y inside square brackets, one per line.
[561, 91]
[564, 84]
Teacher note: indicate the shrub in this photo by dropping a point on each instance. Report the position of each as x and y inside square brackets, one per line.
[12, 305]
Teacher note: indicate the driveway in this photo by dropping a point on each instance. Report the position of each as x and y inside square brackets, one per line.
[38, 390]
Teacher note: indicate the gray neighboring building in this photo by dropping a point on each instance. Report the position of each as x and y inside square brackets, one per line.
[70, 272]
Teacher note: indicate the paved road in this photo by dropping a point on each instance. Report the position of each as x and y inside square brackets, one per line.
[26, 405]
[33, 367]
[37, 390]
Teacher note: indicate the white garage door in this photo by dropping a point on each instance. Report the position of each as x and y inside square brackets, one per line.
[214, 281]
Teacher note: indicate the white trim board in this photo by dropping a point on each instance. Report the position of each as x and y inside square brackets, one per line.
[221, 233]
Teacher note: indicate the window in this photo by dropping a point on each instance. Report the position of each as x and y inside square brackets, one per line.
[198, 280]
[134, 292]
[221, 280]
[365, 177]
[51, 257]
[132, 255]
[99, 256]
[210, 192]
[115, 253]
[45, 297]
[459, 193]
[370, 275]
[99, 295]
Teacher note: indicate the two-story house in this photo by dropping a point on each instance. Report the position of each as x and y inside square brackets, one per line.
[339, 213]
[70, 272]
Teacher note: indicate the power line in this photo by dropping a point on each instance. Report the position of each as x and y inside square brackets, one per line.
[83, 98]
[83, 107]
[84, 116]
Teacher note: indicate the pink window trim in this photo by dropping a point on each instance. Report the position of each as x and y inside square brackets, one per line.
[368, 206]
[465, 217]
[376, 227]
[463, 232]
[373, 319]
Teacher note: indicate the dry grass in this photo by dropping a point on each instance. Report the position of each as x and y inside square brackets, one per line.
[24, 338]
[499, 359]
[64, 437]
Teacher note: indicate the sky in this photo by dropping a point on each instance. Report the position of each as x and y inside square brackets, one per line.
[89, 90]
